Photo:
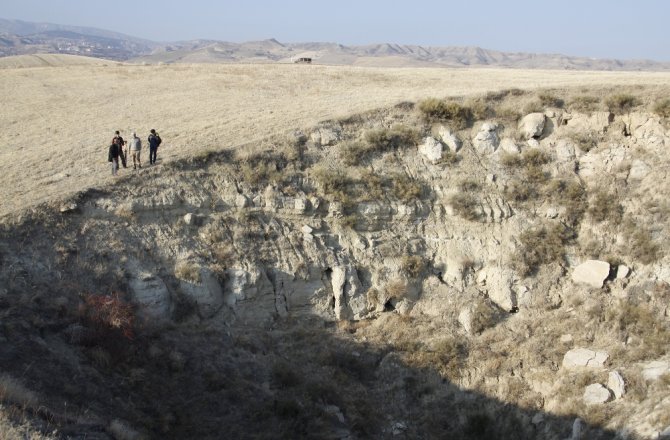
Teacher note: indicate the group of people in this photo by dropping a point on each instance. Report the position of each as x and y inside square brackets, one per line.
[118, 150]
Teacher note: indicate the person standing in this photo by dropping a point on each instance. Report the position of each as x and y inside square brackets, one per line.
[121, 143]
[154, 142]
[113, 156]
[135, 149]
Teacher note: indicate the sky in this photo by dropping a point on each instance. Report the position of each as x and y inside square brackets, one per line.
[622, 29]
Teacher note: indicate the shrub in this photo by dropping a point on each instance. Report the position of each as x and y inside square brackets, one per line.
[549, 100]
[413, 265]
[479, 110]
[354, 152]
[395, 289]
[466, 206]
[569, 194]
[373, 184]
[438, 110]
[333, 183]
[187, 271]
[511, 160]
[584, 104]
[468, 185]
[385, 139]
[110, 312]
[541, 246]
[262, 167]
[533, 107]
[605, 206]
[621, 104]
[405, 188]
[453, 354]
[535, 157]
[585, 141]
[662, 108]
[639, 321]
[641, 245]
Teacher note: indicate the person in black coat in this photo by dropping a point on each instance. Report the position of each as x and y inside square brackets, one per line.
[113, 156]
[154, 142]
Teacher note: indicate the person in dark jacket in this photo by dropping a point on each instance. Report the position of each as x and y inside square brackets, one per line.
[121, 143]
[113, 156]
[154, 142]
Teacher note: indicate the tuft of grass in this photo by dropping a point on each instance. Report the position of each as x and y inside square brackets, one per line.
[584, 104]
[406, 189]
[541, 246]
[662, 108]
[413, 265]
[386, 139]
[434, 109]
[13, 391]
[466, 206]
[333, 183]
[187, 271]
[641, 245]
[621, 103]
[353, 153]
[549, 100]
[649, 331]
[604, 206]
[585, 141]
[395, 289]
[468, 185]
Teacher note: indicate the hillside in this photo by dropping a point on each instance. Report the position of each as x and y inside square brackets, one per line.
[490, 266]
[58, 121]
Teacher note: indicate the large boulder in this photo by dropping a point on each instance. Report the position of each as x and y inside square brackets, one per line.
[431, 149]
[592, 273]
[350, 300]
[583, 357]
[595, 394]
[486, 140]
[325, 136]
[532, 125]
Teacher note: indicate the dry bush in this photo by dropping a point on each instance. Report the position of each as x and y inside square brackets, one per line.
[549, 100]
[540, 246]
[465, 206]
[334, 184]
[511, 160]
[479, 109]
[353, 153]
[452, 354]
[457, 115]
[621, 103]
[468, 185]
[17, 426]
[605, 206]
[584, 104]
[641, 245]
[413, 265]
[662, 108]
[533, 107]
[187, 271]
[650, 333]
[569, 194]
[373, 186]
[484, 315]
[284, 375]
[535, 157]
[405, 188]
[511, 114]
[395, 289]
[585, 141]
[110, 313]
[262, 167]
[386, 139]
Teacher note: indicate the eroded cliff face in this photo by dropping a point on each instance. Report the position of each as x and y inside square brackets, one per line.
[470, 232]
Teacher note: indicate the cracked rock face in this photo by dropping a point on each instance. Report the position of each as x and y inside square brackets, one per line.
[584, 357]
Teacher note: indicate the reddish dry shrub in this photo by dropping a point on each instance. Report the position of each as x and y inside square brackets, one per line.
[110, 312]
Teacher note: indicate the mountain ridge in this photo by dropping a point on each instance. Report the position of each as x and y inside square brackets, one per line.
[19, 37]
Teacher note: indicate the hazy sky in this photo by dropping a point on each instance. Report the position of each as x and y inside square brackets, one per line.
[623, 29]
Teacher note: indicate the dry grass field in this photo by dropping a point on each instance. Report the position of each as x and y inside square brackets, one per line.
[57, 121]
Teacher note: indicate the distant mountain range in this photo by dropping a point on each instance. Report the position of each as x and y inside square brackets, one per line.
[21, 38]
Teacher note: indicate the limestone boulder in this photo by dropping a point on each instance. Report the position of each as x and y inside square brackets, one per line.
[596, 394]
[508, 145]
[326, 136]
[431, 149]
[350, 299]
[450, 139]
[584, 357]
[532, 125]
[592, 273]
[616, 384]
[565, 150]
[486, 140]
[638, 170]
[654, 370]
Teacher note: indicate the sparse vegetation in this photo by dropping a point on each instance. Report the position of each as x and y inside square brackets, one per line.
[585, 141]
[540, 246]
[405, 188]
[385, 139]
[187, 271]
[465, 205]
[459, 116]
[413, 265]
[549, 100]
[662, 108]
[605, 207]
[621, 103]
[640, 243]
[584, 104]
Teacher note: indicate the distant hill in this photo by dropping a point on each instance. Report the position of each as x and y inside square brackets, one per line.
[20, 38]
